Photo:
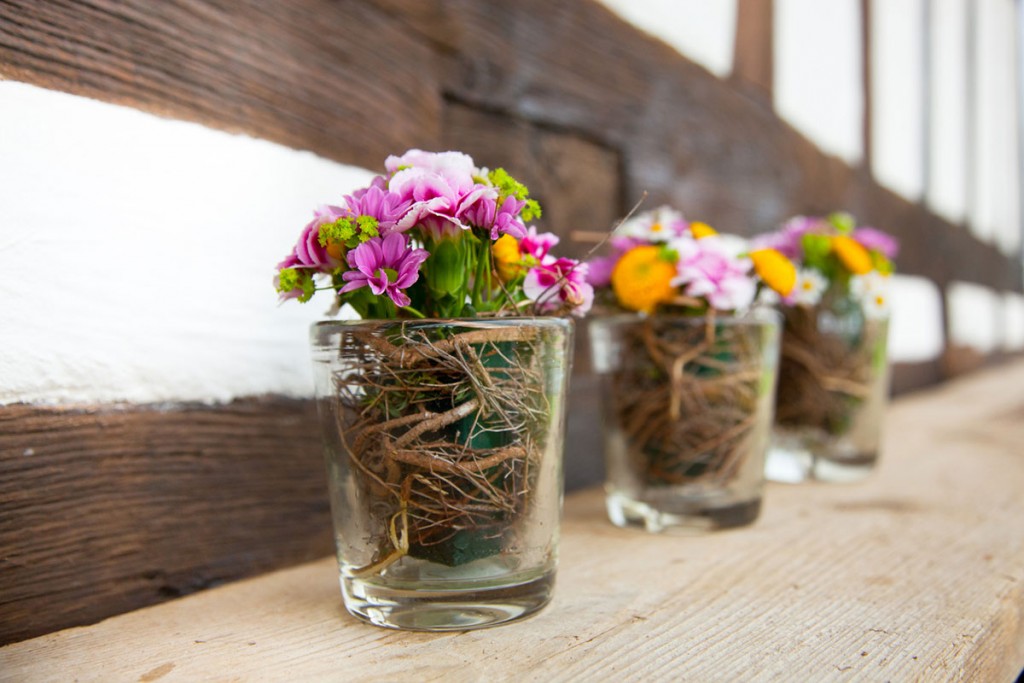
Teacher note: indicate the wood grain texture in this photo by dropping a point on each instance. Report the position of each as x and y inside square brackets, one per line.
[914, 575]
[104, 511]
[284, 71]
[355, 81]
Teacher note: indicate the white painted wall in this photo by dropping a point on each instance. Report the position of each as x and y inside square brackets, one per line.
[137, 255]
[948, 104]
[1013, 322]
[701, 30]
[915, 329]
[897, 95]
[975, 316]
[818, 78]
[995, 209]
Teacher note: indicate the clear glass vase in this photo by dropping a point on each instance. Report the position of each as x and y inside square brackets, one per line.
[687, 408]
[444, 457]
[832, 394]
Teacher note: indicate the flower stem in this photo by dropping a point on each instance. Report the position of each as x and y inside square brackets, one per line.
[413, 311]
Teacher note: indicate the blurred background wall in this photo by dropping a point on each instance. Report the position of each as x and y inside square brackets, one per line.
[158, 159]
[924, 94]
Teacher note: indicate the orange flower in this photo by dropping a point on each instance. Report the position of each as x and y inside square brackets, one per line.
[642, 278]
[777, 271]
[700, 230]
[854, 256]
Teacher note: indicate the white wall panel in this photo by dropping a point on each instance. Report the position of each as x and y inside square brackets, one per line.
[915, 329]
[897, 95]
[137, 255]
[948, 103]
[995, 208]
[1013, 322]
[702, 31]
[975, 316]
[818, 79]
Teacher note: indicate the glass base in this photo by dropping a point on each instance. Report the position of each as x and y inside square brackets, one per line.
[696, 516]
[792, 464]
[423, 609]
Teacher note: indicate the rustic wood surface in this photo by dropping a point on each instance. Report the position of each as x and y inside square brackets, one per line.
[915, 574]
[95, 503]
[106, 510]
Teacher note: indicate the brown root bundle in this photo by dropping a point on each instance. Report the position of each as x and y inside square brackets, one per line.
[824, 375]
[686, 395]
[443, 429]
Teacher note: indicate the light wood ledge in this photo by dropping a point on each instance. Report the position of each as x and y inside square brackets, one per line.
[916, 574]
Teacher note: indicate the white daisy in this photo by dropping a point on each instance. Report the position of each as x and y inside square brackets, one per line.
[809, 288]
[659, 225]
[876, 306]
[872, 290]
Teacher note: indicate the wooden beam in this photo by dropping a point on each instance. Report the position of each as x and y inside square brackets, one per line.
[753, 53]
[108, 509]
[344, 79]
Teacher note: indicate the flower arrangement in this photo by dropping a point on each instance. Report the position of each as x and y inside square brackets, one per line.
[443, 407]
[830, 278]
[810, 256]
[434, 237]
[687, 386]
[659, 259]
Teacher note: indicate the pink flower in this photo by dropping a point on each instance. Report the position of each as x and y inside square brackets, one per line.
[599, 270]
[376, 201]
[875, 239]
[385, 265]
[417, 167]
[307, 252]
[708, 268]
[788, 240]
[558, 283]
[480, 208]
[536, 244]
[599, 273]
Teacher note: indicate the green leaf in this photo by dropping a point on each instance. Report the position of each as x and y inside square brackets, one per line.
[816, 250]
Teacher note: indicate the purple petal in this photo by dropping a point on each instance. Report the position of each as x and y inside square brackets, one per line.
[392, 248]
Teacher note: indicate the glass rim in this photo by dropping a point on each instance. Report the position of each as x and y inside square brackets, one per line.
[505, 321]
[754, 315]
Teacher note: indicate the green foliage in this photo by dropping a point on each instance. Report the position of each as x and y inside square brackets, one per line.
[510, 187]
[507, 185]
[843, 222]
[881, 263]
[531, 211]
[290, 279]
[350, 232]
[287, 280]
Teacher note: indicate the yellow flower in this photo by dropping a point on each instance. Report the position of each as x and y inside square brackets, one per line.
[506, 257]
[642, 278]
[854, 256]
[700, 230]
[777, 271]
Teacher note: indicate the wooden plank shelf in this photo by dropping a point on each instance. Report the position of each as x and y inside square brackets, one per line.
[915, 574]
